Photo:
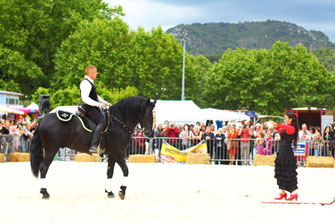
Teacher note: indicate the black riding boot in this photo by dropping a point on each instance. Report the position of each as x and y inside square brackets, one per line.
[96, 137]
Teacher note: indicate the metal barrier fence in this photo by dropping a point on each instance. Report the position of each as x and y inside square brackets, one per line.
[232, 151]
[221, 151]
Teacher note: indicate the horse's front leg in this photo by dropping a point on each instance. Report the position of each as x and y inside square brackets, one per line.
[110, 171]
[119, 158]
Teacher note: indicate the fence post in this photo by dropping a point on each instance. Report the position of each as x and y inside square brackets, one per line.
[150, 145]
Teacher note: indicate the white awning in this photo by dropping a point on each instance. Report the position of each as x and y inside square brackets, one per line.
[4, 109]
[223, 115]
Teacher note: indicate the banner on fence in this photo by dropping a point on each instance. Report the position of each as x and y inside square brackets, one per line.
[301, 149]
[170, 154]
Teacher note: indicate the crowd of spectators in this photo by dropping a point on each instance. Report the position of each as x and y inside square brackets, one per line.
[232, 142]
[321, 143]
[235, 142]
[15, 135]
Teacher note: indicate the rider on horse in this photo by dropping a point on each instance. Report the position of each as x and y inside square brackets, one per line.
[91, 104]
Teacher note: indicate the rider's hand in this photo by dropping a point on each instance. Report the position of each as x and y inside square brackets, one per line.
[109, 104]
[101, 105]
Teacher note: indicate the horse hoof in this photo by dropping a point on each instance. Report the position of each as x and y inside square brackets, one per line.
[45, 197]
[121, 195]
[110, 194]
[45, 193]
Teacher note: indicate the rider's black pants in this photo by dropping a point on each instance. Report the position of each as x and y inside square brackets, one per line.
[97, 117]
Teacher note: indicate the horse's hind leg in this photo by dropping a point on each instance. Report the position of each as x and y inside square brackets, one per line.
[110, 171]
[44, 169]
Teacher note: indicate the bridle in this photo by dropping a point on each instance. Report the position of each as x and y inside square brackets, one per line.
[125, 126]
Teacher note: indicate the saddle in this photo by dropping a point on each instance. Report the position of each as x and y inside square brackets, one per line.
[86, 122]
[82, 113]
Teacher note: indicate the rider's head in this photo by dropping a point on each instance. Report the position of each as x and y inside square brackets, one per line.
[91, 71]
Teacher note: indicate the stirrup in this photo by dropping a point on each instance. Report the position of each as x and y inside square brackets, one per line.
[99, 150]
[93, 149]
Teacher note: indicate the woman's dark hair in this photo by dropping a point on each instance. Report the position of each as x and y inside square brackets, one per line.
[295, 124]
[188, 127]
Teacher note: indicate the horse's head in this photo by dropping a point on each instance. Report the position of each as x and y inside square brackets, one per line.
[147, 117]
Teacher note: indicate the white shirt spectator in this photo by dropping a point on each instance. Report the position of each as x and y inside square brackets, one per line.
[304, 129]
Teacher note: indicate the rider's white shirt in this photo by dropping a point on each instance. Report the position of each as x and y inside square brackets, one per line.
[85, 89]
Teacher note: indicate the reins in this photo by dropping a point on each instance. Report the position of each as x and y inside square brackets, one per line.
[125, 126]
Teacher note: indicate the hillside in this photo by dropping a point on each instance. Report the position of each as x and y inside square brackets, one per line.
[215, 38]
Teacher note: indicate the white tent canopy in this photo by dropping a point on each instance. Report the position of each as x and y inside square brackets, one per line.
[178, 111]
[223, 115]
[33, 106]
[5, 109]
[188, 112]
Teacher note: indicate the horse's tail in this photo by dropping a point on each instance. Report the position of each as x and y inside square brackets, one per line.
[36, 152]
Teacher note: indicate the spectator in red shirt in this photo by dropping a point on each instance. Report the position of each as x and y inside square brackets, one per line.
[173, 132]
[140, 142]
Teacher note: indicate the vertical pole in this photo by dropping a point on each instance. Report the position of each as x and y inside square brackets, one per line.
[183, 82]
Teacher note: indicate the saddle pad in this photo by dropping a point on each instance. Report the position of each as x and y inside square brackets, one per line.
[65, 116]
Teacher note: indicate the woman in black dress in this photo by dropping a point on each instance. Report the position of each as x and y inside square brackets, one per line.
[286, 163]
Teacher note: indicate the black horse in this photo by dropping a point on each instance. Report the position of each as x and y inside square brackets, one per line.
[51, 134]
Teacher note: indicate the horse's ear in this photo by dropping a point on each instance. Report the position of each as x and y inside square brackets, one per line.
[153, 102]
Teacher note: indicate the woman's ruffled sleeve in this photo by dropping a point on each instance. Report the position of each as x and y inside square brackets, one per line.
[289, 128]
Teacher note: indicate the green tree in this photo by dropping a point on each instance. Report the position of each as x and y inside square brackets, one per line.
[103, 43]
[327, 57]
[17, 73]
[115, 95]
[155, 64]
[38, 92]
[149, 61]
[195, 87]
[269, 81]
[35, 29]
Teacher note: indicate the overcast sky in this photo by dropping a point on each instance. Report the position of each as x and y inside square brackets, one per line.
[310, 14]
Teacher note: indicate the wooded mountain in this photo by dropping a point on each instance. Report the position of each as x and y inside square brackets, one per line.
[215, 38]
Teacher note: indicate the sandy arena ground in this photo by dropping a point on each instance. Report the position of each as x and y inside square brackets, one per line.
[161, 193]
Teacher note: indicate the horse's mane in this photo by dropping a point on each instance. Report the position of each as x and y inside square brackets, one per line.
[131, 107]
